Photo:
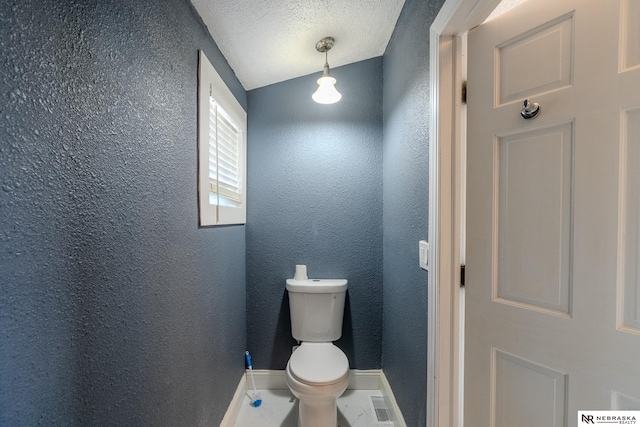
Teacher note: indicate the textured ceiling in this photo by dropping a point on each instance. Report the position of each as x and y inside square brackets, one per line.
[504, 6]
[269, 41]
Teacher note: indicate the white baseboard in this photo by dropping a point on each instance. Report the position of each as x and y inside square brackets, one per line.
[236, 403]
[274, 380]
[373, 379]
[390, 400]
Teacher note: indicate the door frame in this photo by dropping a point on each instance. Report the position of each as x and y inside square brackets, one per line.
[445, 351]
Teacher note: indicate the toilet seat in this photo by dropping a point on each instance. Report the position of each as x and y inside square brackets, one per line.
[318, 363]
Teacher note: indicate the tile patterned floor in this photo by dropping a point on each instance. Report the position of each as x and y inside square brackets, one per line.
[280, 409]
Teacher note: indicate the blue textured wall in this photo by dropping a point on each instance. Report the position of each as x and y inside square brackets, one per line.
[406, 205]
[115, 309]
[315, 198]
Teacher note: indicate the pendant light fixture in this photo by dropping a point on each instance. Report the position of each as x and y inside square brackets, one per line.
[326, 93]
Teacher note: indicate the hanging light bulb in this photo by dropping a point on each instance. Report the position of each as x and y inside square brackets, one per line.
[326, 93]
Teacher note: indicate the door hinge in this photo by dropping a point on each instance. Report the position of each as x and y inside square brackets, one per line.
[462, 276]
[464, 92]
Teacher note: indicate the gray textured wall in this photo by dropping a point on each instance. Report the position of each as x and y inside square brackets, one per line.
[315, 198]
[115, 309]
[406, 171]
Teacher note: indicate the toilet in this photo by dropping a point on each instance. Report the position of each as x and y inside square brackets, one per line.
[317, 372]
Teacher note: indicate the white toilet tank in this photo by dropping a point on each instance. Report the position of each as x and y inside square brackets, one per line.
[317, 308]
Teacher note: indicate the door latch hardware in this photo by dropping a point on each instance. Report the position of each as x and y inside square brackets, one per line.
[530, 109]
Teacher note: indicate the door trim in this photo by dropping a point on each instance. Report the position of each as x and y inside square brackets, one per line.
[444, 353]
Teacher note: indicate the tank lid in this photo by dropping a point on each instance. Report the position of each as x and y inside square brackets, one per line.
[317, 286]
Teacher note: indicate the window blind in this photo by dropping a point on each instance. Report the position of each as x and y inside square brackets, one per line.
[224, 157]
[222, 152]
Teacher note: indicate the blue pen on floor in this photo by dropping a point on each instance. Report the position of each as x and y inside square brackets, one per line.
[255, 397]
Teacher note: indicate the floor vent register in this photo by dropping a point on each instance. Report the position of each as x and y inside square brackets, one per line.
[382, 413]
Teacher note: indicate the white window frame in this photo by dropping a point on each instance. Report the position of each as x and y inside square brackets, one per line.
[212, 210]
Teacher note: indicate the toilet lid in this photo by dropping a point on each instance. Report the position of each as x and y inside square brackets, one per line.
[318, 363]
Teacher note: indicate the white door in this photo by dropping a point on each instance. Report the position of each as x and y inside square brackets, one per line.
[553, 214]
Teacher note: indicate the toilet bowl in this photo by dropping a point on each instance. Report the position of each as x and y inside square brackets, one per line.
[317, 374]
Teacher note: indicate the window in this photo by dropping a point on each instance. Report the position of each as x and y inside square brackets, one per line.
[222, 159]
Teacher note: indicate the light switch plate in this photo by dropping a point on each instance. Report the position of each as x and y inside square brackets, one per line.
[424, 254]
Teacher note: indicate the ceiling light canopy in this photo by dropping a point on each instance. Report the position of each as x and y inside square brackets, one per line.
[326, 93]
